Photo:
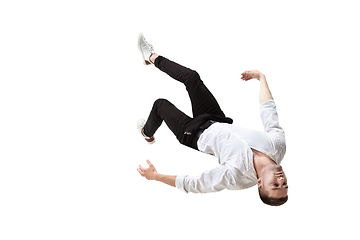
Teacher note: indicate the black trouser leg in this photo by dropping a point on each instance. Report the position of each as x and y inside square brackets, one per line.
[163, 110]
[202, 101]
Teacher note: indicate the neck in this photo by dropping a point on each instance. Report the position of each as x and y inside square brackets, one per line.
[261, 161]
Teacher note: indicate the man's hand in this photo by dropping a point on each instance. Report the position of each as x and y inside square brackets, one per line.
[149, 173]
[265, 93]
[247, 75]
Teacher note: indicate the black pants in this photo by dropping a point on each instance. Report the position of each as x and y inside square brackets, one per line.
[204, 106]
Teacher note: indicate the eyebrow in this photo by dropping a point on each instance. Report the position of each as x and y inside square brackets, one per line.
[278, 188]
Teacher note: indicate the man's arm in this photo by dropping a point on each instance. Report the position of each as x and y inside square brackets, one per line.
[265, 93]
[213, 180]
[151, 174]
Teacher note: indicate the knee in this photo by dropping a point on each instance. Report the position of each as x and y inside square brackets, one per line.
[192, 77]
[160, 102]
[161, 105]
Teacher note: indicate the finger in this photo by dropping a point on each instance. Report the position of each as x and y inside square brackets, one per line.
[141, 168]
[148, 162]
[141, 173]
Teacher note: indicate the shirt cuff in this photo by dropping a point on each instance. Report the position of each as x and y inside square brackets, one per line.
[179, 182]
[268, 103]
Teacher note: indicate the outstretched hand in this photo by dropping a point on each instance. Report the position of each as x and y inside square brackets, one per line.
[148, 173]
[250, 74]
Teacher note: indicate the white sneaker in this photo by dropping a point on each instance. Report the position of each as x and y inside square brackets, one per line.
[140, 126]
[145, 48]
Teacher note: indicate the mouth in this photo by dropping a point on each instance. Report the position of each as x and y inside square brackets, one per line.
[277, 171]
[278, 168]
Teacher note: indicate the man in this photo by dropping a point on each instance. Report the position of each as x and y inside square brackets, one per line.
[246, 157]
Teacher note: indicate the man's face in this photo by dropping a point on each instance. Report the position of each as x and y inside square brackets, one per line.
[274, 181]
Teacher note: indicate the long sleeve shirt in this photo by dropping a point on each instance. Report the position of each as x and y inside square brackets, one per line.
[232, 146]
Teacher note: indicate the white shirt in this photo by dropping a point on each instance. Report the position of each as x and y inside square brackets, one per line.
[232, 146]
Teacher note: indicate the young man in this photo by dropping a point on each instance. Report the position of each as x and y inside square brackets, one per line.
[246, 157]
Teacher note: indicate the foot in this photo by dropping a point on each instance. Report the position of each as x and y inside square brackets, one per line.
[145, 48]
[140, 127]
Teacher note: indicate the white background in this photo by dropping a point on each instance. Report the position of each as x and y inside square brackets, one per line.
[72, 87]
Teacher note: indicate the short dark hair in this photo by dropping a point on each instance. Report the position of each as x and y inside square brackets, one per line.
[272, 201]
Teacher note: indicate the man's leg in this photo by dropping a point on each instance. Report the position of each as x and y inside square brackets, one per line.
[202, 101]
[163, 110]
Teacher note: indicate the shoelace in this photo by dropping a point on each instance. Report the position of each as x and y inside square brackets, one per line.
[148, 45]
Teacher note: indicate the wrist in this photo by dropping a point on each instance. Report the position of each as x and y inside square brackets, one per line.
[262, 77]
[157, 176]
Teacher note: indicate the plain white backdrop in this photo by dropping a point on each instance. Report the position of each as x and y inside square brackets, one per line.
[72, 87]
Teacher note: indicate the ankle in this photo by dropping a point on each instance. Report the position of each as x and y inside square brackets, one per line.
[153, 56]
[142, 132]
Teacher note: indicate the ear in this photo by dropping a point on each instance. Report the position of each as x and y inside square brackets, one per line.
[259, 183]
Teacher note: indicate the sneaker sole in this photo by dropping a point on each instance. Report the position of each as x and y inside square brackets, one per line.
[145, 62]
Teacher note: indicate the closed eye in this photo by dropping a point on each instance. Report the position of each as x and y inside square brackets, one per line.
[276, 186]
